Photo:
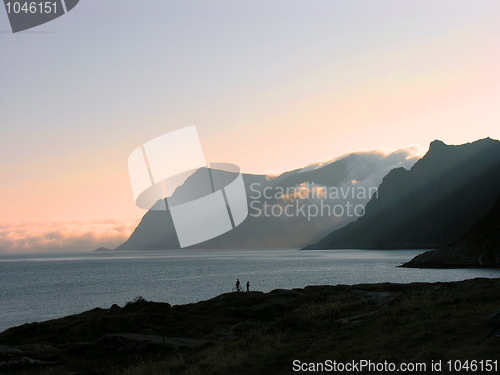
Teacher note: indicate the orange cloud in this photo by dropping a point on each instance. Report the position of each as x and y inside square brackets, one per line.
[304, 191]
[70, 236]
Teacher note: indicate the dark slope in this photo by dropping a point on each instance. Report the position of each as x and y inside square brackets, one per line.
[429, 206]
[478, 247]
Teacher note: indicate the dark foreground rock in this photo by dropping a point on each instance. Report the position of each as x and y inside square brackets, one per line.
[479, 247]
[262, 333]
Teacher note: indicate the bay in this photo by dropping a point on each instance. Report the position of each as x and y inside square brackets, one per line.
[38, 287]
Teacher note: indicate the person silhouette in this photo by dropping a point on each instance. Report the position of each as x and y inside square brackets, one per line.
[248, 286]
[238, 285]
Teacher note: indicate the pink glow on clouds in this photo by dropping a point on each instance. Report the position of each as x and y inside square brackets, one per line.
[70, 236]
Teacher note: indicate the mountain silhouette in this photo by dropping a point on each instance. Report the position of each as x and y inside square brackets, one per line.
[430, 205]
[156, 229]
[478, 247]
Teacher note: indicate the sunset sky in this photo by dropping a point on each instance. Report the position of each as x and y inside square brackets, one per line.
[270, 85]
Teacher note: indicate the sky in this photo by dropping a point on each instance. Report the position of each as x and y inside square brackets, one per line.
[271, 86]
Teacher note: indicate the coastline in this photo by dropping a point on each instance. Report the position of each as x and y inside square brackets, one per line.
[259, 332]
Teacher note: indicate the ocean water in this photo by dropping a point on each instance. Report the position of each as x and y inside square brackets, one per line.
[42, 287]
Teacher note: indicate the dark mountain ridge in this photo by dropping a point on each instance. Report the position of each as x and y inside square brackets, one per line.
[430, 205]
[156, 230]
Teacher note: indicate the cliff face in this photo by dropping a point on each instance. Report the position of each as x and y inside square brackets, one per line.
[478, 247]
[430, 205]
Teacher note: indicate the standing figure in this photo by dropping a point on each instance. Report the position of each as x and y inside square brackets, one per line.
[248, 286]
[238, 285]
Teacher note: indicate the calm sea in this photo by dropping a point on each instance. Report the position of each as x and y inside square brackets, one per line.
[42, 287]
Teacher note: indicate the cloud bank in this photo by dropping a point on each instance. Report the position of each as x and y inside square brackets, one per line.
[71, 236]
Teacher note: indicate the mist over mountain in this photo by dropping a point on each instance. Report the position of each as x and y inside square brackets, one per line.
[297, 188]
[430, 205]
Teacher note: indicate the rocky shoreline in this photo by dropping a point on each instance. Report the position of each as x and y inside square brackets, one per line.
[257, 332]
[479, 247]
